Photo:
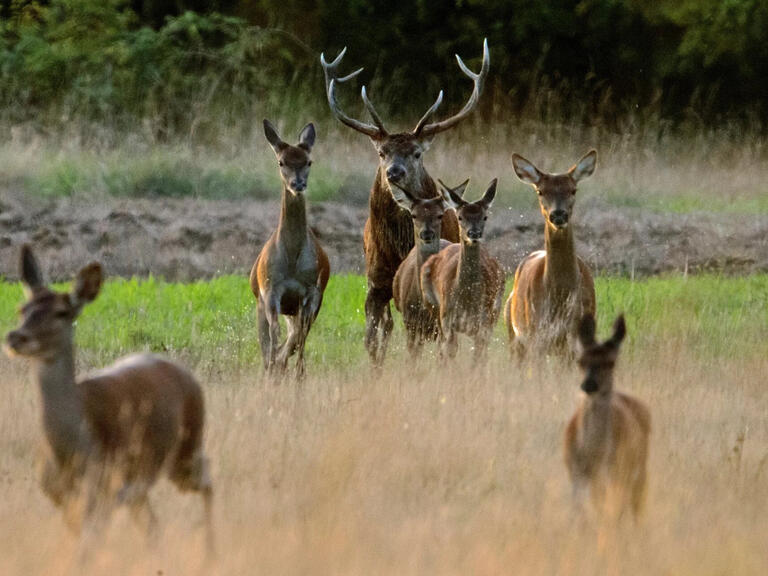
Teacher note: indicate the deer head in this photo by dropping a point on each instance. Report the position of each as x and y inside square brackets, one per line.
[294, 161]
[557, 192]
[47, 316]
[401, 154]
[598, 359]
[472, 215]
[427, 214]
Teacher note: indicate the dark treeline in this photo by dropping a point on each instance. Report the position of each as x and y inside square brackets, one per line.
[182, 64]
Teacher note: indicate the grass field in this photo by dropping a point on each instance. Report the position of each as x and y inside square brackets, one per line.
[421, 470]
[645, 165]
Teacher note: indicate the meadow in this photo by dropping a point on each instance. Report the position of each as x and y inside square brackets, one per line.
[426, 468]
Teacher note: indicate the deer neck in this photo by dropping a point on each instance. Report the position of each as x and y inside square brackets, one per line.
[596, 422]
[64, 421]
[292, 227]
[468, 275]
[561, 268]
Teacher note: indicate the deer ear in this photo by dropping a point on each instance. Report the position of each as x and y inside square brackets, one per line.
[525, 170]
[487, 200]
[307, 137]
[584, 167]
[404, 199]
[587, 331]
[619, 331]
[87, 285]
[31, 277]
[273, 137]
[453, 196]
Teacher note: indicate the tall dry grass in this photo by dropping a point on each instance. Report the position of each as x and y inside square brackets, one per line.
[427, 471]
[644, 164]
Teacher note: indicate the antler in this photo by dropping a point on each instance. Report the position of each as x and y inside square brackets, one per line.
[424, 129]
[331, 79]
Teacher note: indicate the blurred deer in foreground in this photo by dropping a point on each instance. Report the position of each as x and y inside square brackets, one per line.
[111, 435]
[463, 281]
[419, 317]
[553, 287]
[388, 235]
[291, 271]
[606, 441]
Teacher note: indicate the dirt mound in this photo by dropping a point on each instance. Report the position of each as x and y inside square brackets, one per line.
[183, 239]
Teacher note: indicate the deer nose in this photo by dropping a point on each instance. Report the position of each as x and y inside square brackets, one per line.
[427, 235]
[474, 234]
[298, 185]
[589, 385]
[558, 217]
[15, 339]
[395, 172]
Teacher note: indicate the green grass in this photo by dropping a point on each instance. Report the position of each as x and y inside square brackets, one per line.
[213, 322]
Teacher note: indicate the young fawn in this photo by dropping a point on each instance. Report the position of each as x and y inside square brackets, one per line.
[553, 287]
[291, 272]
[463, 281]
[419, 317]
[111, 435]
[606, 441]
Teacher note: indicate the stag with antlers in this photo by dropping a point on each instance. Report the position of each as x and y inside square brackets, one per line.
[388, 234]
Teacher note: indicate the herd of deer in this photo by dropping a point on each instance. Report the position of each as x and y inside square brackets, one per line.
[111, 435]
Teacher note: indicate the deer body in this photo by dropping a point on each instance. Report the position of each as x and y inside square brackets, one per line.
[606, 440]
[388, 234]
[553, 288]
[113, 434]
[291, 272]
[463, 281]
[419, 317]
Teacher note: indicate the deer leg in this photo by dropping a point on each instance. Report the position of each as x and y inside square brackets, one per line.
[265, 341]
[144, 516]
[378, 323]
[638, 493]
[414, 342]
[272, 310]
[482, 338]
[289, 346]
[195, 475]
[307, 314]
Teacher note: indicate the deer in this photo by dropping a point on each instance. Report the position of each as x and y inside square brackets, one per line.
[553, 288]
[291, 271]
[112, 434]
[388, 234]
[463, 281]
[606, 440]
[419, 318]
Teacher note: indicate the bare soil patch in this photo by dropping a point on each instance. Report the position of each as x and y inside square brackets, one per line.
[185, 239]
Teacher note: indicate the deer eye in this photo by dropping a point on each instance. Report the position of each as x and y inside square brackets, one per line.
[417, 155]
[381, 155]
[62, 314]
[485, 218]
[280, 163]
[309, 163]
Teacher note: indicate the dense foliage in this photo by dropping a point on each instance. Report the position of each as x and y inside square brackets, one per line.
[178, 66]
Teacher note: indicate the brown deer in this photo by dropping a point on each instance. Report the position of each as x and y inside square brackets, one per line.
[111, 435]
[553, 287]
[606, 441]
[291, 271]
[420, 318]
[388, 234]
[463, 281]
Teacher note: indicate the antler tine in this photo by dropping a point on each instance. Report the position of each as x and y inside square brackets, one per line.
[479, 81]
[331, 80]
[372, 111]
[428, 114]
[367, 129]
